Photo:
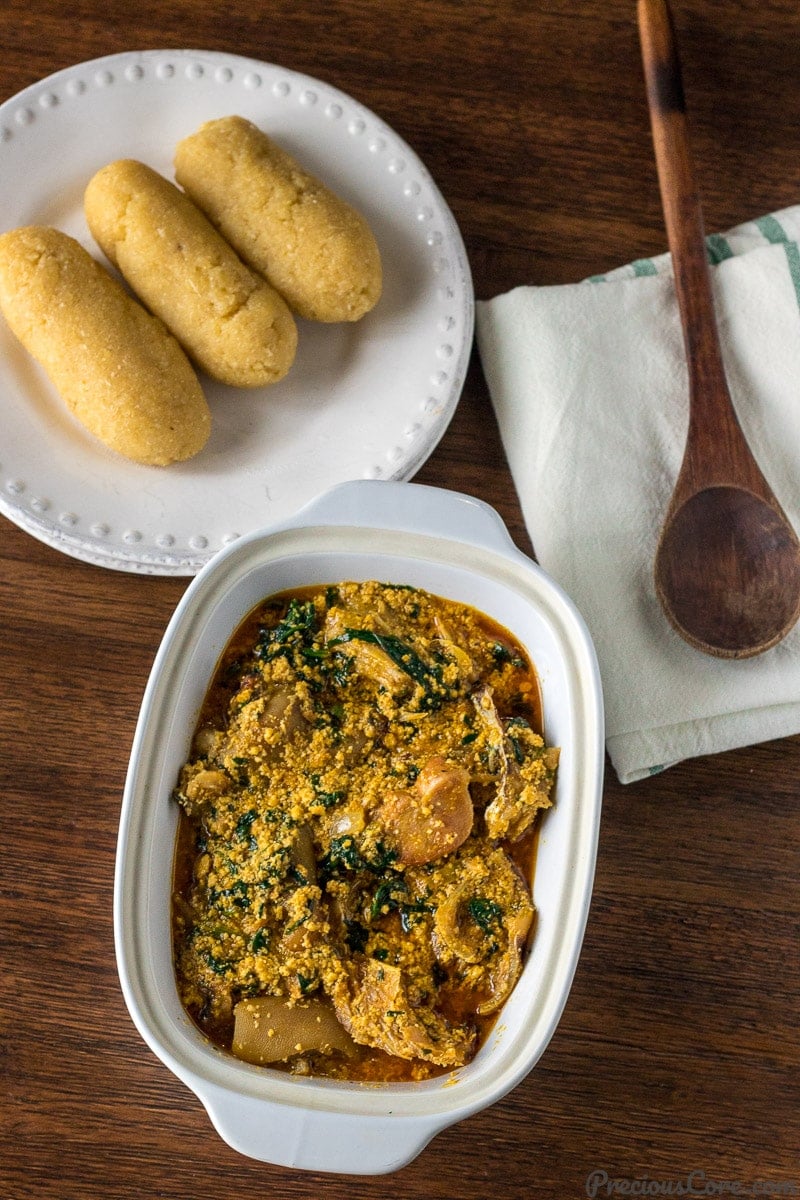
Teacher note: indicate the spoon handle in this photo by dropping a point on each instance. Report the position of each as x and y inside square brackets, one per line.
[715, 436]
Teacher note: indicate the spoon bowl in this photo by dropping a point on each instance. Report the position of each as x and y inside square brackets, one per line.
[727, 567]
[753, 595]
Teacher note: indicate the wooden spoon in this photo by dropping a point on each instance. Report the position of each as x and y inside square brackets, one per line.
[727, 568]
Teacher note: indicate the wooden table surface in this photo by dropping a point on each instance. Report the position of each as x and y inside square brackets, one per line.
[677, 1061]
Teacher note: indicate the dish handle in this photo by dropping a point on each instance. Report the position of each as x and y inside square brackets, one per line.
[315, 1139]
[410, 507]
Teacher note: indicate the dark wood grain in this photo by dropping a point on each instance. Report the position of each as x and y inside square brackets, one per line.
[679, 1048]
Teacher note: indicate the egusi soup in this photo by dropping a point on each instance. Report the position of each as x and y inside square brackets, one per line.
[358, 825]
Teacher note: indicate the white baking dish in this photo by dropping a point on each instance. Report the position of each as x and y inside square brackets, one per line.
[452, 545]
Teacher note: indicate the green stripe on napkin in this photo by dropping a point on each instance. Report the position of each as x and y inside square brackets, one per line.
[793, 259]
[718, 248]
[772, 230]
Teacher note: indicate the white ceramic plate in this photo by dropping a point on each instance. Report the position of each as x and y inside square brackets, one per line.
[369, 400]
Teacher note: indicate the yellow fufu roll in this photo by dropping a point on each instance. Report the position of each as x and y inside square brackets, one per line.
[314, 248]
[227, 317]
[117, 368]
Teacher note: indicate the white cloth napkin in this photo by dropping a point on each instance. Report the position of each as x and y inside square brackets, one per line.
[589, 385]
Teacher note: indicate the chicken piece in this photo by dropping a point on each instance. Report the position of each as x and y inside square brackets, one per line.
[303, 855]
[485, 919]
[282, 711]
[432, 819]
[208, 742]
[367, 657]
[201, 787]
[376, 1011]
[269, 722]
[465, 665]
[523, 767]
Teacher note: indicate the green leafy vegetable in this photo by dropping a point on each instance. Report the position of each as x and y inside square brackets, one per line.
[237, 894]
[292, 637]
[356, 935]
[244, 824]
[486, 914]
[218, 966]
[502, 654]
[518, 749]
[326, 799]
[260, 941]
[344, 855]
[386, 898]
[403, 656]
